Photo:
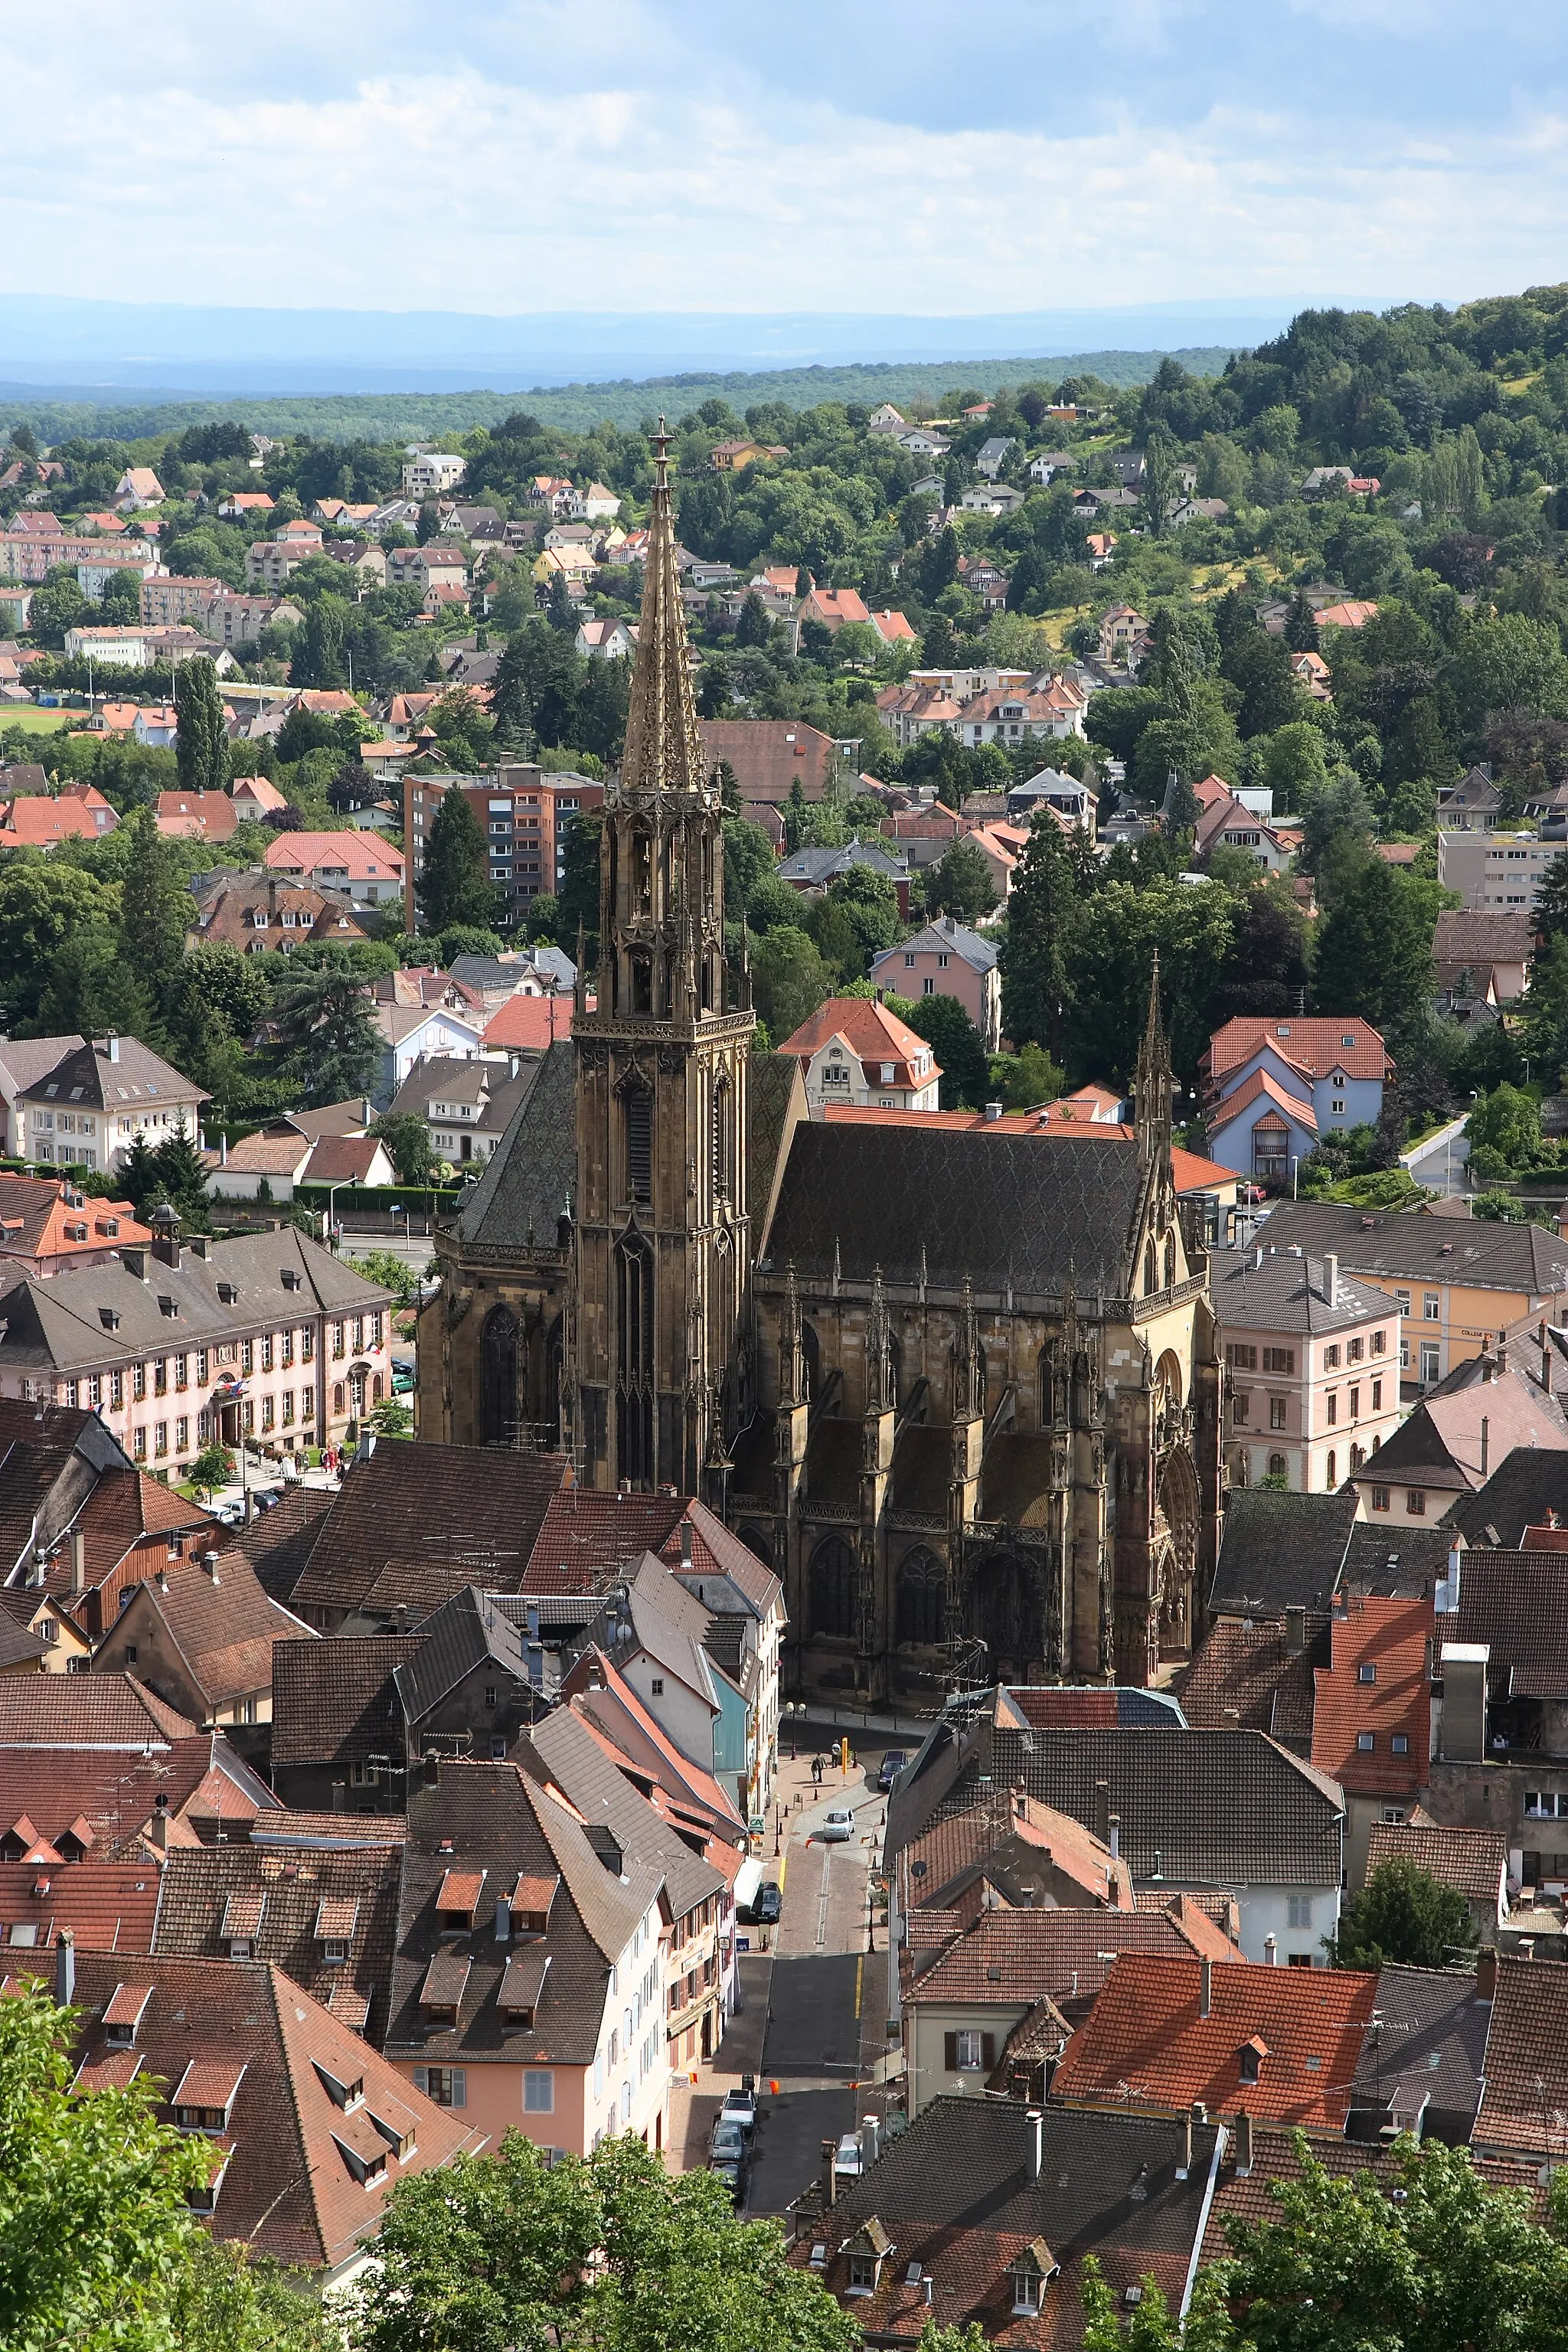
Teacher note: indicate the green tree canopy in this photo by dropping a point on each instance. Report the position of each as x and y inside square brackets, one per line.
[946, 1025]
[789, 980]
[200, 745]
[960, 883]
[455, 884]
[327, 1032]
[1037, 955]
[1403, 1915]
[42, 905]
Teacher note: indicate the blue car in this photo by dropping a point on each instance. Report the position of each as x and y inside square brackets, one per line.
[893, 1763]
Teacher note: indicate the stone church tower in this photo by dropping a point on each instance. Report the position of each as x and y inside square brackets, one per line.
[663, 1236]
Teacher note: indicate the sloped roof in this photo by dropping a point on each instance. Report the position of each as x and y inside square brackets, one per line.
[224, 1628]
[199, 1882]
[336, 1700]
[92, 1711]
[1388, 1639]
[1280, 1552]
[1517, 1602]
[1401, 1242]
[109, 1905]
[1316, 1042]
[602, 1794]
[1473, 1861]
[1531, 1481]
[1062, 1955]
[586, 1538]
[1245, 1674]
[1147, 2042]
[1526, 2064]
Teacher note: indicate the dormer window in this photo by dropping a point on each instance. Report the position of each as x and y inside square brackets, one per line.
[1252, 2056]
[242, 1916]
[205, 2095]
[345, 2089]
[1029, 2275]
[123, 2015]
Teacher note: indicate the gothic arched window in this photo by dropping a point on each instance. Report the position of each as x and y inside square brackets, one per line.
[921, 1607]
[633, 1365]
[721, 1141]
[1151, 1272]
[498, 1378]
[833, 1586]
[638, 1116]
[1170, 1261]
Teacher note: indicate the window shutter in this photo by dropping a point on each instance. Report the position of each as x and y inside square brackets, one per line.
[988, 2051]
[459, 2087]
[419, 2078]
[949, 2052]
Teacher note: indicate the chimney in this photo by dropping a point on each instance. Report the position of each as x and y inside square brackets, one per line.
[134, 1261]
[685, 1545]
[223, 1151]
[1205, 1988]
[1102, 1811]
[992, 1111]
[112, 1047]
[829, 2174]
[158, 1829]
[1486, 1443]
[65, 1967]
[1331, 1280]
[1501, 1357]
[503, 1919]
[1271, 1952]
[1295, 1631]
[1545, 1361]
[162, 1579]
[209, 1561]
[1036, 2124]
[1185, 2165]
[1243, 2144]
[1114, 1841]
[1486, 1972]
[79, 1561]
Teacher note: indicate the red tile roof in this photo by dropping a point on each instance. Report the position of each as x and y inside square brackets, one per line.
[1192, 1172]
[209, 816]
[869, 1031]
[362, 856]
[1315, 1043]
[1146, 2045]
[1296, 1108]
[110, 1905]
[529, 1025]
[1389, 1639]
[1473, 1861]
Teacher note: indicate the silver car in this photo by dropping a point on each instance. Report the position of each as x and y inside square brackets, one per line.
[839, 1827]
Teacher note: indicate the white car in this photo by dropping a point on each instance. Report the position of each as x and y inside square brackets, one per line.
[839, 1827]
[850, 2161]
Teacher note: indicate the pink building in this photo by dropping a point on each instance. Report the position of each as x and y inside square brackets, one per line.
[948, 960]
[1311, 1366]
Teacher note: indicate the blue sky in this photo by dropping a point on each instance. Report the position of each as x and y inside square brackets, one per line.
[824, 155]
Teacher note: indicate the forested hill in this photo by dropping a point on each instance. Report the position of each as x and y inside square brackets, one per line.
[62, 413]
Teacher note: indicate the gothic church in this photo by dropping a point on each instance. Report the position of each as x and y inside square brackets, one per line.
[959, 1387]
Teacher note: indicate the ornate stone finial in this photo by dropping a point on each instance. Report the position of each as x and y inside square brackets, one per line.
[878, 1348]
[792, 1348]
[837, 1267]
[1153, 1081]
[580, 985]
[966, 1401]
[663, 748]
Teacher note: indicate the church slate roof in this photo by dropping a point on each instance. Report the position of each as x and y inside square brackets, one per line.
[775, 1099]
[532, 1176]
[978, 1206]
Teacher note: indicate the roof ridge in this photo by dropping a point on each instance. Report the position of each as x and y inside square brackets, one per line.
[308, 2183]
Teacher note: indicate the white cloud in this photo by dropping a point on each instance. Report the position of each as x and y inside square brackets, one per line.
[404, 159]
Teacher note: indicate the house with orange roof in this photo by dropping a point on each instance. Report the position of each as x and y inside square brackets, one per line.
[1164, 2035]
[1372, 1711]
[1230, 823]
[894, 629]
[832, 607]
[196, 816]
[853, 1050]
[255, 799]
[1272, 1086]
[1353, 615]
[38, 821]
[45, 1225]
[357, 867]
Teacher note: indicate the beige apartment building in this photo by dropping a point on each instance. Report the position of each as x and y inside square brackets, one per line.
[1494, 870]
[1312, 1368]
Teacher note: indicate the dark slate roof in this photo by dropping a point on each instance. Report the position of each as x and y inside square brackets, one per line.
[1531, 1481]
[602, 1794]
[500, 1820]
[530, 1178]
[335, 1701]
[1517, 1603]
[1401, 1562]
[279, 1542]
[995, 1210]
[1264, 1291]
[465, 1631]
[775, 1100]
[1424, 2012]
[954, 2194]
[1401, 1241]
[444, 1515]
[1280, 1552]
[1219, 1808]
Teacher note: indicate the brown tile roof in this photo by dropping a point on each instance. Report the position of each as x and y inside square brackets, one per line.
[1473, 1861]
[290, 1899]
[468, 1515]
[1516, 1601]
[1026, 1956]
[335, 1701]
[110, 1792]
[1525, 2104]
[953, 2195]
[109, 1905]
[112, 1711]
[224, 1628]
[769, 754]
[1013, 1837]
[1245, 2198]
[1243, 1673]
[1147, 2044]
[296, 2185]
[279, 1542]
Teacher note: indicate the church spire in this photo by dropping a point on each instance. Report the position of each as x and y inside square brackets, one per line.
[663, 748]
[1154, 1083]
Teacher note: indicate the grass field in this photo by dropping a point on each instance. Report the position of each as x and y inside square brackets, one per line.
[38, 722]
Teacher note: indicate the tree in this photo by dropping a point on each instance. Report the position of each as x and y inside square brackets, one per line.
[42, 905]
[502, 2254]
[1042, 911]
[946, 1025]
[1265, 971]
[392, 1417]
[869, 902]
[1027, 1079]
[752, 627]
[789, 980]
[960, 883]
[180, 1178]
[1190, 927]
[327, 1029]
[156, 908]
[579, 886]
[1505, 1123]
[408, 1140]
[200, 745]
[1402, 1917]
[1159, 473]
[1551, 902]
[95, 2231]
[1374, 950]
[455, 885]
[213, 1467]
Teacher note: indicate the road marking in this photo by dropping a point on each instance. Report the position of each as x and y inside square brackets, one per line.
[822, 1899]
[860, 1974]
[782, 1867]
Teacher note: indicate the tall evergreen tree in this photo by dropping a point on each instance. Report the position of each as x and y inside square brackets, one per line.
[455, 885]
[156, 908]
[200, 746]
[328, 1029]
[1035, 981]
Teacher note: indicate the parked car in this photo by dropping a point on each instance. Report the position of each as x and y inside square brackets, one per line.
[850, 2161]
[768, 1909]
[727, 2158]
[739, 2107]
[839, 1826]
[893, 1763]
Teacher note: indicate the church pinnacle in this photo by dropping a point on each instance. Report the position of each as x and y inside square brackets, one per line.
[663, 748]
[1153, 1081]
